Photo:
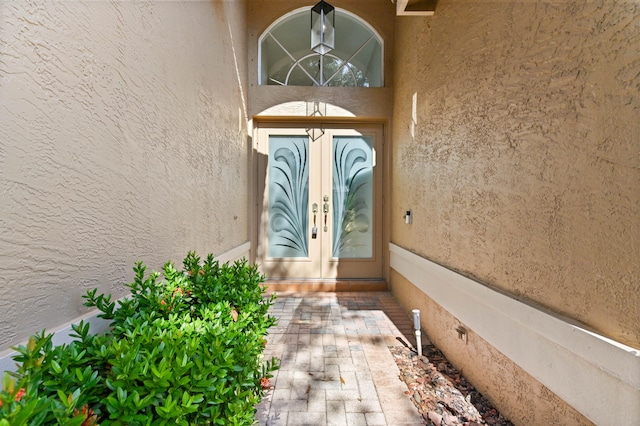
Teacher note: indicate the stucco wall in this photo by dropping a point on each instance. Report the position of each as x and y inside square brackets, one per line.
[516, 144]
[124, 138]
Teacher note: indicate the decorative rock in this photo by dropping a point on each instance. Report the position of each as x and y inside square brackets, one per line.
[435, 418]
[450, 420]
[441, 393]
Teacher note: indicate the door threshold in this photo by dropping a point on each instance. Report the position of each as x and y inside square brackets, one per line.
[324, 285]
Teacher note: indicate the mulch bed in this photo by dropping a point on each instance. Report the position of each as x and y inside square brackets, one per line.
[442, 395]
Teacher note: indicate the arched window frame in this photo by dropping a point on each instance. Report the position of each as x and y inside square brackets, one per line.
[347, 64]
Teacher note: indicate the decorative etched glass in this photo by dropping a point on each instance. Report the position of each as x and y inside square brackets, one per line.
[288, 196]
[352, 197]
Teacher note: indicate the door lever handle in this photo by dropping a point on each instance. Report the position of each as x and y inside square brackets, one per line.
[314, 229]
[325, 210]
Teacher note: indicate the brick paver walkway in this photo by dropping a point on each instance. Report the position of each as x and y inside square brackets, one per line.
[336, 368]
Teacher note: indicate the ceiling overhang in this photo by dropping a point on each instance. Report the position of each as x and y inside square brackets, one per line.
[415, 7]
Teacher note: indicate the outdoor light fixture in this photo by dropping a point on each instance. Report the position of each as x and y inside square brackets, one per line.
[323, 20]
[416, 327]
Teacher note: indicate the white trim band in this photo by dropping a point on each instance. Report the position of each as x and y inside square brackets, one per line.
[597, 376]
[234, 254]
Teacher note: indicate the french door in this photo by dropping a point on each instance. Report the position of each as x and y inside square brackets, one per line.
[319, 206]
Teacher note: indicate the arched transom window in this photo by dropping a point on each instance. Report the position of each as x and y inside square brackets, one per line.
[286, 57]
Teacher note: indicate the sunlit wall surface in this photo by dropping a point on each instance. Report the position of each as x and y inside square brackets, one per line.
[515, 144]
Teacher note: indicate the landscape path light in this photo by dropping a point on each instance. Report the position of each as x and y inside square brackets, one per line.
[416, 327]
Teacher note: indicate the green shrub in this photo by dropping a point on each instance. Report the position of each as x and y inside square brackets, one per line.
[183, 350]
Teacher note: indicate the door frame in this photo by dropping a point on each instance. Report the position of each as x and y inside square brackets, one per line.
[317, 122]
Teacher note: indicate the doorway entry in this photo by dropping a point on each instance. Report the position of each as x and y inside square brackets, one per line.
[320, 201]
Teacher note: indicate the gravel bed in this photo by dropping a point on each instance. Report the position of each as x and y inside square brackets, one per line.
[442, 395]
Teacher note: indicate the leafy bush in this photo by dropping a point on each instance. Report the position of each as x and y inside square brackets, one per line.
[184, 350]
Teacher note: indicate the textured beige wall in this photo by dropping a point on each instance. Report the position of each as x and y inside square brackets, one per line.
[517, 146]
[123, 138]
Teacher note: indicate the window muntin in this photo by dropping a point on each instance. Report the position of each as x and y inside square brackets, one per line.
[286, 57]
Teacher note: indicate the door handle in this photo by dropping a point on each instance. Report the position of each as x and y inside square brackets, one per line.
[325, 210]
[314, 229]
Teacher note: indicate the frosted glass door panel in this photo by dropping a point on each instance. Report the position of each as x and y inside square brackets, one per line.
[288, 187]
[318, 201]
[352, 197]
